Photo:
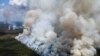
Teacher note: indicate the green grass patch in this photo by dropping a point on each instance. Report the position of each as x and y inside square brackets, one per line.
[11, 47]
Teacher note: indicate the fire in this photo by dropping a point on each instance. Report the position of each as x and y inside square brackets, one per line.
[62, 27]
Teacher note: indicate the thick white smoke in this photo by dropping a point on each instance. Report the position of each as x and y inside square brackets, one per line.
[62, 27]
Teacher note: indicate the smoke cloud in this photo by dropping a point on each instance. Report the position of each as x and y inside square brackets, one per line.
[62, 27]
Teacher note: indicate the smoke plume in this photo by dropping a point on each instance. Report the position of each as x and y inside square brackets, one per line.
[62, 27]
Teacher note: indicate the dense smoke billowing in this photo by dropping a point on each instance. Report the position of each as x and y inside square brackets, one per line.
[62, 27]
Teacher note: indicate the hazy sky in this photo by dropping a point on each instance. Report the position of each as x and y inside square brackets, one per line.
[4, 2]
[13, 2]
[15, 14]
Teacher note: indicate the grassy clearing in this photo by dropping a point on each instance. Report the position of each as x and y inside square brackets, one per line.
[11, 47]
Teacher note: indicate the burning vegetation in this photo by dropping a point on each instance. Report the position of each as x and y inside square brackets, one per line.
[62, 27]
